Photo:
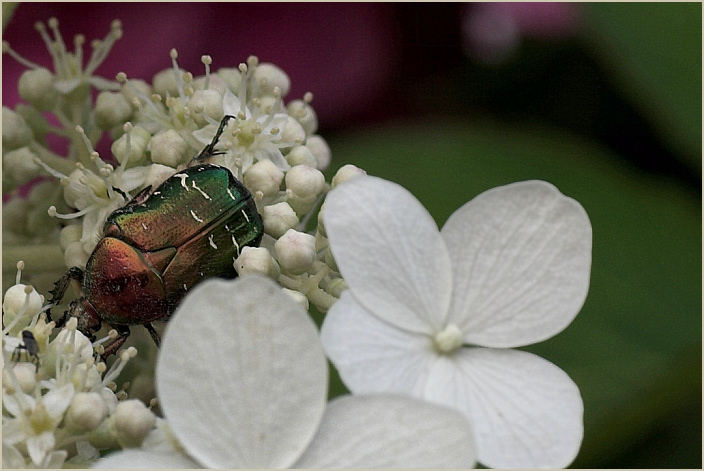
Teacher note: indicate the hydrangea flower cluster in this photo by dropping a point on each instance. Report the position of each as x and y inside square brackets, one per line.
[156, 129]
[424, 337]
[61, 406]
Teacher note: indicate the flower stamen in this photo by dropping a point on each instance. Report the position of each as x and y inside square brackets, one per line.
[448, 340]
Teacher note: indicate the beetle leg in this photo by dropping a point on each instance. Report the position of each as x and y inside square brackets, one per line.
[209, 150]
[57, 294]
[153, 333]
[122, 333]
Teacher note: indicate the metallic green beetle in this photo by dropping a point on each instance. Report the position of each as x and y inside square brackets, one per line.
[161, 244]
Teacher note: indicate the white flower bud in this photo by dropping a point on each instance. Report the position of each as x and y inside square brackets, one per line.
[264, 176]
[301, 155]
[321, 242]
[305, 181]
[345, 173]
[320, 150]
[168, 148]
[256, 260]
[231, 76]
[86, 412]
[72, 340]
[15, 298]
[39, 222]
[297, 296]
[75, 255]
[15, 131]
[278, 218]
[329, 259]
[37, 87]
[321, 222]
[132, 421]
[20, 300]
[293, 132]
[336, 286]
[69, 234]
[103, 437]
[267, 76]
[165, 82]
[139, 139]
[42, 192]
[26, 376]
[157, 174]
[75, 190]
[295, 251]
[303, 185]
[14, 214]
[19, 165]
[305, 115]
[34, 119]
[267, 103]
[140, 85]
[111, 109]
[210, 101]
[215, 83]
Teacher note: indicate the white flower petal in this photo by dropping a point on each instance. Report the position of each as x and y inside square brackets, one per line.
[372, 355]
[55, 459]
[390, 252]
[525, 411]
[271, 152]
[241, 375]
[11, 457]
[387, 431]
[14, 406]
[67, 86]
[12, 430]
[39, 445]
[140, 459]
[133, 178]
[57, 400]
[521, 258]
[205, 134]
[268, 122]
[104, 84]
[231, 104]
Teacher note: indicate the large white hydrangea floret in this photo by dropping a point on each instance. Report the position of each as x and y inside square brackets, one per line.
[247, 389]
[435, 314]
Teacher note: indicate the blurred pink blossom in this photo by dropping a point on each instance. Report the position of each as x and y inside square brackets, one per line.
[491, 32]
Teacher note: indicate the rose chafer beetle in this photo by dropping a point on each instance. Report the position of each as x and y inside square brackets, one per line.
[161, 244]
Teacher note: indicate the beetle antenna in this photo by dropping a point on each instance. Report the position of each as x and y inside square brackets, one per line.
[209, 150]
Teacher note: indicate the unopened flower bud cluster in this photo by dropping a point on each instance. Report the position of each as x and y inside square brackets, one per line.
[61, 404]
[156, 128]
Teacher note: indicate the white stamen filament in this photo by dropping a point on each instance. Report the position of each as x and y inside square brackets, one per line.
[20, 267]
[39, 26]
[174, 65]
[117, 367]
[101, 52]
[52, 212]
[27, 63]
[111, 336]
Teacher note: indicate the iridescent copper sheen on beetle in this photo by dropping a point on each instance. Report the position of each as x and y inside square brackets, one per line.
[161, 244]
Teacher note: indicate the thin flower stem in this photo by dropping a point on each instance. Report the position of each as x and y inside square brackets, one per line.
[63, 165]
